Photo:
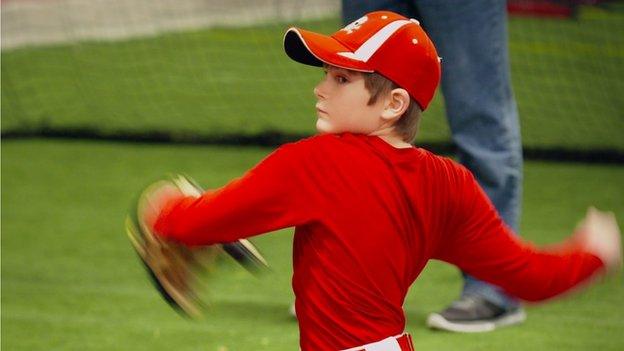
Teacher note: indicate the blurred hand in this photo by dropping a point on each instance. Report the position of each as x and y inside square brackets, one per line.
[153, 200]
[600, 235]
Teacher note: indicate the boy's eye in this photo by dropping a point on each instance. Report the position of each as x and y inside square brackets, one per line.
[341, 79]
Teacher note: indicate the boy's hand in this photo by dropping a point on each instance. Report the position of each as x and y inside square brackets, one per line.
[599, 234]
[153, 200]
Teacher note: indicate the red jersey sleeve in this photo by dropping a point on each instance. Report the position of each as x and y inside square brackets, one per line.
[268, 197]
[478, 242]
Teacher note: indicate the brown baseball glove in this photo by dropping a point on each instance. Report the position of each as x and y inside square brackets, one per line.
[175, 269]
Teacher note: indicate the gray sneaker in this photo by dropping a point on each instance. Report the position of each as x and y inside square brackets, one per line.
[474, 314]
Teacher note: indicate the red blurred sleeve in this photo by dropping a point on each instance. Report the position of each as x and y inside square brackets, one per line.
[268, 197]
[478, 242]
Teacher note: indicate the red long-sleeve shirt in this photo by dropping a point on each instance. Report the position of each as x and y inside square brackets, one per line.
[368, 217]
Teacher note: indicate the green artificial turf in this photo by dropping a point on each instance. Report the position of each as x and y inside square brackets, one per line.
[70, 280]
[567, 73]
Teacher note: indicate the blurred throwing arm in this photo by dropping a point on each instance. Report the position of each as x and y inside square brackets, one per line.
[480, 244]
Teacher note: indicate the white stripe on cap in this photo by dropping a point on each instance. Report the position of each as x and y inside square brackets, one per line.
[370, 46]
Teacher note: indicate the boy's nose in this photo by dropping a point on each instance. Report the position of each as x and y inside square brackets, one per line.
[317, 92]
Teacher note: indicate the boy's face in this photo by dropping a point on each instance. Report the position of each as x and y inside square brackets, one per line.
[342, 103]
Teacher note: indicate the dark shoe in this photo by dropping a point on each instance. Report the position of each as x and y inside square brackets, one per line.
[474, 314]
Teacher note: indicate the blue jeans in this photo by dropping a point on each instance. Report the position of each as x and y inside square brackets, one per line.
[471, 38]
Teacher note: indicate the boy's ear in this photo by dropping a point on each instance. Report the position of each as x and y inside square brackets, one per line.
[396, 104]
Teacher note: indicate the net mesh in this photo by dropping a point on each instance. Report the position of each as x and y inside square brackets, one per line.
[207, 67]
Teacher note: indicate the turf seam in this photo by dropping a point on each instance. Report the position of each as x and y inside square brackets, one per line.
[274, 138]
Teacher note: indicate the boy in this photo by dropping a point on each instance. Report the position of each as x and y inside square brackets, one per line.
[369, 209]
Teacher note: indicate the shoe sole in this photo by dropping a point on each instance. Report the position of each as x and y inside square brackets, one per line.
[437, 321]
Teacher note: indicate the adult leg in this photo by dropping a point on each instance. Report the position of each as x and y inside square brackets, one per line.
[354, 9]
[471, 38]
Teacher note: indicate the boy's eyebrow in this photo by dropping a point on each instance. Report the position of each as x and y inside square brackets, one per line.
[339, 69]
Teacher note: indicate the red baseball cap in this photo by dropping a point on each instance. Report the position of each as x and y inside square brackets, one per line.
[384, 42]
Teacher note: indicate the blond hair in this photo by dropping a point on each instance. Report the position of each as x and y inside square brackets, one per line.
[407, 125]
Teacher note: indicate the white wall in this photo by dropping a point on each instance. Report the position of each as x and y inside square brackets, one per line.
[37, 22]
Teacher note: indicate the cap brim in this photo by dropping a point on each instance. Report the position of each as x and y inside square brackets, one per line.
[316, 49]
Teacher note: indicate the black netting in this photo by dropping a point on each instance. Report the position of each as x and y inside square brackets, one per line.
[206, 70]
